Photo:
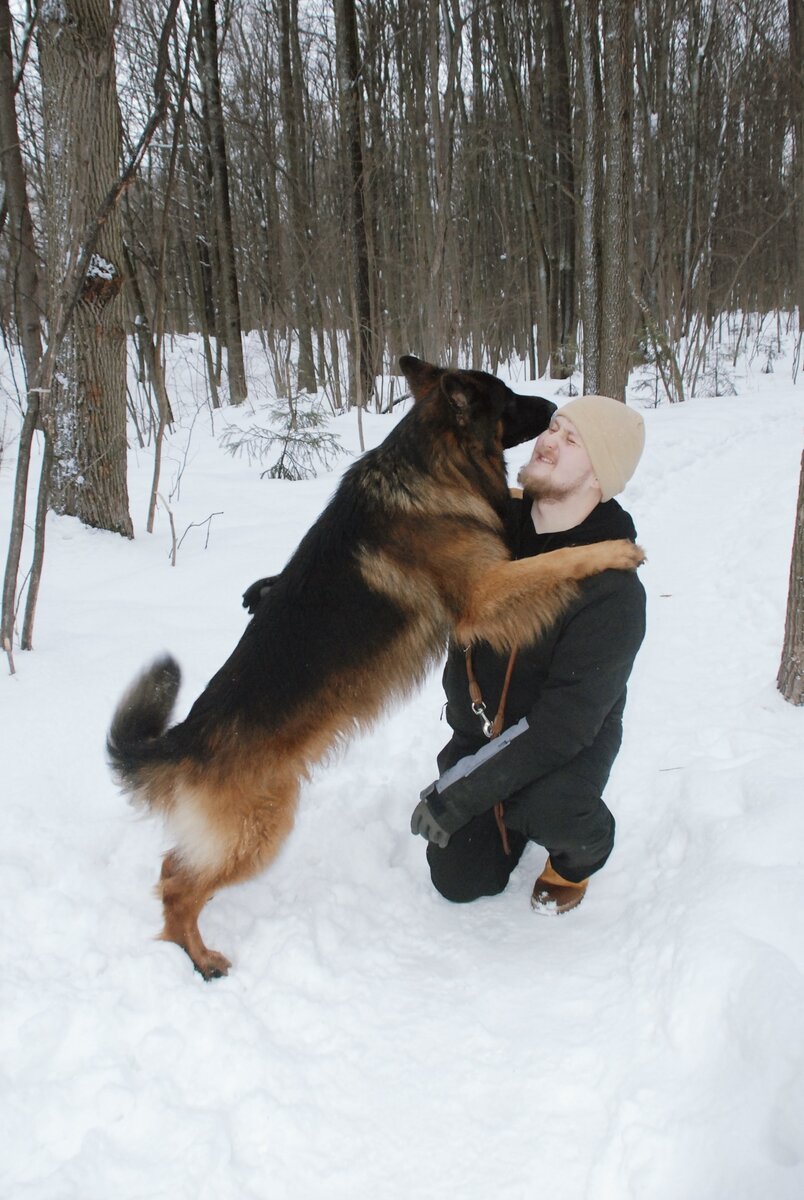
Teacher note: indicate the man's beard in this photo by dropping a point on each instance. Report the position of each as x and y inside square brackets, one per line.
[541, 489]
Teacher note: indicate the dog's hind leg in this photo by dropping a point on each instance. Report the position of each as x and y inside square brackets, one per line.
[225, 835]
[184, 893]
[170, 864]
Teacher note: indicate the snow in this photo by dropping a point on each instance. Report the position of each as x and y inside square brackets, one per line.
[100, 268]
[373, 1040]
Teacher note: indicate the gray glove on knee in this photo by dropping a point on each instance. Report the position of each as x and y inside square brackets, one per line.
[423, 822]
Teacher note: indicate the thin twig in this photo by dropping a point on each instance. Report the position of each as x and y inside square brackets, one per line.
[174, 547]
[198, 524]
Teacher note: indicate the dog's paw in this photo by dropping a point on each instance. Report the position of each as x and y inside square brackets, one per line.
[628, 556]
[582, 561]
[212, 965]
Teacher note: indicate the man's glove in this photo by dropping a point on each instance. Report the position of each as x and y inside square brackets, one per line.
[436, 819]
[468, 788]
[424, 823]
[253, 594]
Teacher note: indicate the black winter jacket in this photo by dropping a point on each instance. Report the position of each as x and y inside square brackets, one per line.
[563, 720]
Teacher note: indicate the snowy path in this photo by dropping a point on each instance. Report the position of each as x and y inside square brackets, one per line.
[373, 1041]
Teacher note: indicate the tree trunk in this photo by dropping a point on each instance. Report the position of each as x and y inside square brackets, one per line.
[200, 272]
[293, 128]
[699, 37]
[591, 190]
[24, 270]
[23, 260]
[522, 152]
[796, 10]
[349, 98]
[558, 104]
[654, 23]
[790, 679]
[616, 324]
[223, 212]
[86, 411]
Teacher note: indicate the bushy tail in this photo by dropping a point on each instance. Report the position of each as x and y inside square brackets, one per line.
[140, 720]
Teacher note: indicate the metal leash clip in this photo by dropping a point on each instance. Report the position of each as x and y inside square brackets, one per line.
[479, 709]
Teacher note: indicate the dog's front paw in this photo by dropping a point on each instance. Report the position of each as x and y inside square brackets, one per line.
[628, 555]
[620, 555]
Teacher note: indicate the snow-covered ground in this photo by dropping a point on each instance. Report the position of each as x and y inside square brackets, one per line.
[373, 1041]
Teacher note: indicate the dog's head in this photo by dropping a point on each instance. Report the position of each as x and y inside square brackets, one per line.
[477, 401]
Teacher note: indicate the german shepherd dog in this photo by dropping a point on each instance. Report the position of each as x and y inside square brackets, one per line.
[408, 553]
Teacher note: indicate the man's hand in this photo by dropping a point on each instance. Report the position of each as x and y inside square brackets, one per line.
[424, 823]
[253, 594]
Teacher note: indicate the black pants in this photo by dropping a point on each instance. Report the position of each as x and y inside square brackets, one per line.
[566, 817]
[474, 863]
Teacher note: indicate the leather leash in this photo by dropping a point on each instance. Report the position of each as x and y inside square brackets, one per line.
[492, 729]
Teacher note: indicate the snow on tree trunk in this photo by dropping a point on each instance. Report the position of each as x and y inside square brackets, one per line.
[86, 409]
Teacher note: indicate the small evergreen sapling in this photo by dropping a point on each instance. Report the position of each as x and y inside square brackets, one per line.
[298, 431]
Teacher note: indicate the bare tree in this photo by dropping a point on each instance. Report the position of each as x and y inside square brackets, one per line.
[475, 196]
[790, 680]
[536, 241]
[615, 308]
[591, 189]
[560, 175]
[25, 292]
[86, 410]
[80, 278]
[364, 341]
[211, 87]
[23, 258]
[796, 13]
[791, 670]
[293, 128]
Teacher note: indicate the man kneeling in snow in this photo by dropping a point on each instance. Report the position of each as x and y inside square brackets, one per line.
[560, 702]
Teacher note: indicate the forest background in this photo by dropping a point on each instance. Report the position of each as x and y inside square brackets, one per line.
[219, 226]
[585, 187]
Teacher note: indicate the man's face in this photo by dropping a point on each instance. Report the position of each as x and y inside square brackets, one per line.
[559, 466]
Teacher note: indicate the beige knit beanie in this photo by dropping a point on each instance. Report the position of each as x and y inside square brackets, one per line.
[613, 436]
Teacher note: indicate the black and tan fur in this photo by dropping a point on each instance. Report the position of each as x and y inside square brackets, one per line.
[408, 553]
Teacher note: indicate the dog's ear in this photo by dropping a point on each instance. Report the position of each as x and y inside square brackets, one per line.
[460, 393]
[421, 375]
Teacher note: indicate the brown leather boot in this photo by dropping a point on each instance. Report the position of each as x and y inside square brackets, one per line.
[552, 894]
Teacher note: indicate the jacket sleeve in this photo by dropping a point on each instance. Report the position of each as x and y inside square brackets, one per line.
[588, 673]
